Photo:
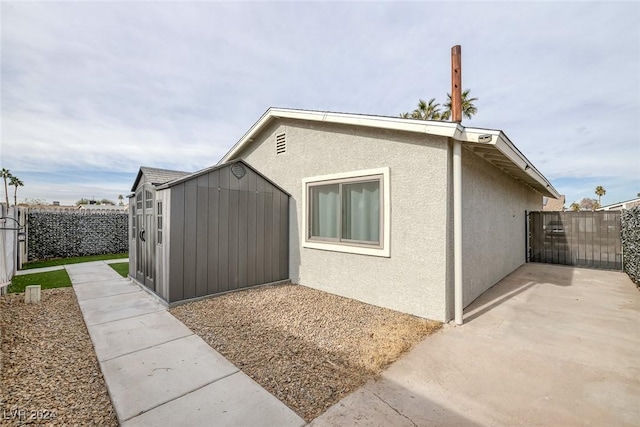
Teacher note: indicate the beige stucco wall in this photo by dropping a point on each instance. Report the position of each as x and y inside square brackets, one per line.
[413, 278]
[493, 222]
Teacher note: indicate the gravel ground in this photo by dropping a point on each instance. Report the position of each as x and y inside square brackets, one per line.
[307, 347]
[49, 373]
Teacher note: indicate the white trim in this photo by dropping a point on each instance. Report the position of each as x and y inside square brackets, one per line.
[385, 250]
[498, 140]
[457, 233]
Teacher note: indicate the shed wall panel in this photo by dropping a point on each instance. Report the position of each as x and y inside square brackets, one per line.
[212, 237]
[163, 264]
[190, 239]
[260, 232]
[214, 179]
[268, 237]
[275, 246]
[252, 181]
[224, 178]
[202, 239]
[284, 237]
[223, 241]
[252, 237]
[176, 272]
[243, 183]
[234, 183]
[242, 238]
[233, 238]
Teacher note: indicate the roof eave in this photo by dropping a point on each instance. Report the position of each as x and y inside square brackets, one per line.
[437, 128]
[522, 170]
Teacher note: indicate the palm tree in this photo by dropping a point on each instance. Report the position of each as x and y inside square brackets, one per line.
[600, 191]
[431, 110]
[575, 207]
[6, 174]
[425, 111]
[468, 107]
[15, 181]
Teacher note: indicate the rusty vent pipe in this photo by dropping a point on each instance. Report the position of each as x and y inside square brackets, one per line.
[456, 84]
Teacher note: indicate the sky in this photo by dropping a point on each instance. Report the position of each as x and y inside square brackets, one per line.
[90, 91]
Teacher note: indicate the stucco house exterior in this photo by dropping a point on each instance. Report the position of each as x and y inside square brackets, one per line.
[627, 204]
[374, 204]
[553, 205]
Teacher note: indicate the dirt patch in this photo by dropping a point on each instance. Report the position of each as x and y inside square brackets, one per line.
[307, 347]
[50, 374]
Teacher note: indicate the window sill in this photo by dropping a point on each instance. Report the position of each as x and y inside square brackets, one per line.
[352, 249]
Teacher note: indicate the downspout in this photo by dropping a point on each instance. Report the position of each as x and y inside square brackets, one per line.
[456, 116]
[457, 230]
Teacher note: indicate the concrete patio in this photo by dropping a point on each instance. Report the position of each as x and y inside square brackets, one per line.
[548, 345]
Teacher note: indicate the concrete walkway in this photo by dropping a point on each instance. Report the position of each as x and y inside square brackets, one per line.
[61, 267]
[156, 370]
[547, 346]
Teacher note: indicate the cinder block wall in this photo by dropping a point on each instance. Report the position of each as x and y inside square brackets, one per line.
[71, 234]
[631, 243]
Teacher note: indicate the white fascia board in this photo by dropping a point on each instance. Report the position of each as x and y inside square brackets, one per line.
[247, 138]
[502, 143]
[437, 128]
[508, 149]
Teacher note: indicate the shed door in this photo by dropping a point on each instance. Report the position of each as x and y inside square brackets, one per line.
[145, 247]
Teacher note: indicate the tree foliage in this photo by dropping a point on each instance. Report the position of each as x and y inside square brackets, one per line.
[468, 107]
[12, 181]
[575, 207]
[16, 182]
[600, 191]
[6, 175]
[431, 110]
[588, 204]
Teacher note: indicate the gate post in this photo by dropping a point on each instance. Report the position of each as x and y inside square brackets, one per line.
[527, 254]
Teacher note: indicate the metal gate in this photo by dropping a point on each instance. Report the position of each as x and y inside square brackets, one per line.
[585, 239]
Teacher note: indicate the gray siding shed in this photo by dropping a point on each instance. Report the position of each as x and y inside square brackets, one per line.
[225, 232]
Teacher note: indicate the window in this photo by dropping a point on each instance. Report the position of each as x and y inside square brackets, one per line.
[159, 216]
[148, 195]
[348, 212]
[139, 200]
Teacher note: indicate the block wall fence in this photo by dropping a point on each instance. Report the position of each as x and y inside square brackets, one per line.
[631, 243]
[75, 233]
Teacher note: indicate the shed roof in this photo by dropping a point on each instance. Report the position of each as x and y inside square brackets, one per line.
[490, 144]
[194, 175]
[157, 176]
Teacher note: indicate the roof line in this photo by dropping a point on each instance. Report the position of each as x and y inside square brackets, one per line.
[490, 137]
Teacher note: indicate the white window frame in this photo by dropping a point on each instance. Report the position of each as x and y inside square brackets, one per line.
[381, 250]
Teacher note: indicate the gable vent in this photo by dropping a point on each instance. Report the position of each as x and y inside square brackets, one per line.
[281, 144]
[238, 170]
